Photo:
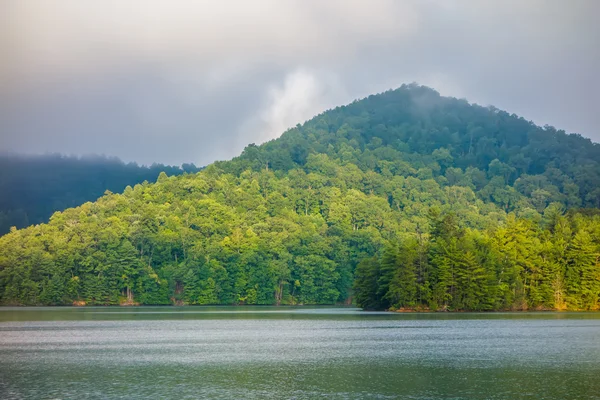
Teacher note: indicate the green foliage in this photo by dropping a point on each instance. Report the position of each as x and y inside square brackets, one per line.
[405, 199]
[34, 187]
[366, 284]
[518, 266]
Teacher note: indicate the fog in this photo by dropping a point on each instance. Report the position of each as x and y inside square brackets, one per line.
[195, 81]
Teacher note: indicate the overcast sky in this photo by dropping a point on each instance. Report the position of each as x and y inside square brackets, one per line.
[195, 81]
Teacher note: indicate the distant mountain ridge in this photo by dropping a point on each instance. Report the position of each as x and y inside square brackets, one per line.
[35, 186]
[402, 200]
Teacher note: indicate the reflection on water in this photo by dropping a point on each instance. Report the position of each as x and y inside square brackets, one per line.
[269, 352]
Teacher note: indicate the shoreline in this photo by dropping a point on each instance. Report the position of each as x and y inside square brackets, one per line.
[133, 306]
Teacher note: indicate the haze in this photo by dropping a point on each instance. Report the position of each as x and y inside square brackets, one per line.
[193, 81]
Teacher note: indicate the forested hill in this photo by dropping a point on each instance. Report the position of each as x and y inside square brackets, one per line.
[413, 131]
[32, 187]
[405, 199]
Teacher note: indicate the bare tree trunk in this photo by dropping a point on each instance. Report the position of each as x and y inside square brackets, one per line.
[129, 294]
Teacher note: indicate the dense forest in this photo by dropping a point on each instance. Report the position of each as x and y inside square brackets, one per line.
[404, 200]
[35, 186]
[520, 265]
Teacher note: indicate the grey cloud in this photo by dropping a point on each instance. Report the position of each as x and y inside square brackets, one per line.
[195, 81]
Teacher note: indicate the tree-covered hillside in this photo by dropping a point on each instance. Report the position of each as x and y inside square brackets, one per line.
[413, 131]
[34, 187]
[405, 199]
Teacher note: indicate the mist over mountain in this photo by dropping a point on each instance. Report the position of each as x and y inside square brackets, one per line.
[173, 82]
[404, 199]
[35, 186]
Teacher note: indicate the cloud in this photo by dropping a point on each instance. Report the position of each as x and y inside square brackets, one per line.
[301, 96]
[180, 81]
[87, 37]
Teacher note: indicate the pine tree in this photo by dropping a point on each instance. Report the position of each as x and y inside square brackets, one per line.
[388, 266]
[365, 284]
[402, 291]
[583, 273]
[470, 283]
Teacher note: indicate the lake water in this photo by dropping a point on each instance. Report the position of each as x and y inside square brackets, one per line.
[295, 353]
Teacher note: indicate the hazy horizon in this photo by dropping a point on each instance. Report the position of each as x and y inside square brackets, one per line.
[194, 82]
[92, 155]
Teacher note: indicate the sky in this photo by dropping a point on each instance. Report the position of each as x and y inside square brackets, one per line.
[179, 81]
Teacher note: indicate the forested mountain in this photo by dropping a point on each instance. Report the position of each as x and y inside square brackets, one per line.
[405, 199]
[33, 187]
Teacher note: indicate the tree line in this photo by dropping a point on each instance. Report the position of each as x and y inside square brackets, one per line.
[402, 200]
[35, 186]
[521, 265]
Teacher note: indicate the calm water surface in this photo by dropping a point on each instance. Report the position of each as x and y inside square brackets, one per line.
[295, 353]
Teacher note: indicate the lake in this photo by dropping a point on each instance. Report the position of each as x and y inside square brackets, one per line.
[295, 353]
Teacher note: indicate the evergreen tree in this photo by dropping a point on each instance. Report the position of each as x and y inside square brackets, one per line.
[583, 274]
